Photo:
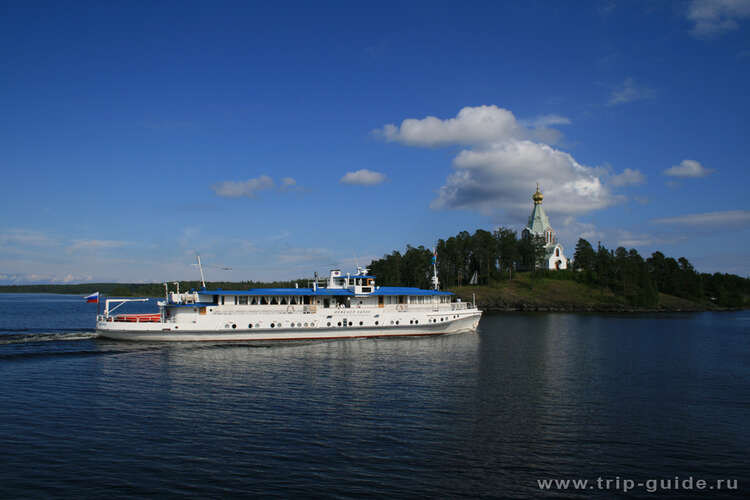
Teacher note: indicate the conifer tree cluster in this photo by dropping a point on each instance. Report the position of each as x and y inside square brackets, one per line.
[497, 255]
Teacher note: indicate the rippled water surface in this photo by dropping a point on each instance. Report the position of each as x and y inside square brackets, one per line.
[531, 396]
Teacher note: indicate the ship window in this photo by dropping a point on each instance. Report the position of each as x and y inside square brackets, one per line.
[243, 300]
[216, 299]
[274, 301]
[254, 301]
[263, 301]
[284, 300]
[235, 300]
[222, 300]
[306, 299]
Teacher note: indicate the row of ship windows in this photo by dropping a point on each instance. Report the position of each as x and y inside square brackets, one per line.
[306, 300]
[344, 323]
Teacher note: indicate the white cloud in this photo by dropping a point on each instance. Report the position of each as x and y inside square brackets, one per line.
[628, 177]
[287, 183]
[505, 175]
[629, 91]
[96, 244]
[500, 168]
[625, 238]
[303, 255]
[248, 188]
[472, 125]
[712, 18]
[24, 237]
[546, 121]
[737, 218]
[363, 177]
[688, 168]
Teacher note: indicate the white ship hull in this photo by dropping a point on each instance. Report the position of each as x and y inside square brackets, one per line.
[160, 332]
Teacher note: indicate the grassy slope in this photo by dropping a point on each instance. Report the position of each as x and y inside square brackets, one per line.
[526, 293]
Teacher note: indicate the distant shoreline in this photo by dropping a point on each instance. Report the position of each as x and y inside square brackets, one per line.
[521, 294]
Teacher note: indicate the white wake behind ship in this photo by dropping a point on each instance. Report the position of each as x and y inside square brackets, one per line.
[345, 306]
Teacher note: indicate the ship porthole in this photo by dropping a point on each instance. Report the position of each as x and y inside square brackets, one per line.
[234, 326]
[360, 323]
[339, 323]
[272, 325]
[397, 322]
[305, 325]
[250, 325]
[416, 321]
[376, 323]
[299, 324]
[329, 323]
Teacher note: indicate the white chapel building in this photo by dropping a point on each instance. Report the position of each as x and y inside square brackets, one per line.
[539, 226]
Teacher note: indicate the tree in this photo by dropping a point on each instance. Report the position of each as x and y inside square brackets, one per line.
[507, 246]
[584, 257]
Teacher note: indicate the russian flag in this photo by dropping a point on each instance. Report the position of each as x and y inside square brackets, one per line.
[94, 297]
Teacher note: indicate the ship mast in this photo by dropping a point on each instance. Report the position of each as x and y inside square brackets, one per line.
[435, 282]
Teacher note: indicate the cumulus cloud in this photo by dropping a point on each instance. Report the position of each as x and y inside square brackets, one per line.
[629, 91]
[248, 188]
[628, 177]
[737, 218]
[363, 177]
[472, 125]
[501, 164]
[712, 18]
[504, 175]
[688, 168]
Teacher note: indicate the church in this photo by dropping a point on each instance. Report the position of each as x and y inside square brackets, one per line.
[539, 226]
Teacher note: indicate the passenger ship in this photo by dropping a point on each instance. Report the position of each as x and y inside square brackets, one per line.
[345, 306]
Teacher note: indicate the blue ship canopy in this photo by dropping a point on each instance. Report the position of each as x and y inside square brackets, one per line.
[383, 290]
[282, 292]
[403, 290]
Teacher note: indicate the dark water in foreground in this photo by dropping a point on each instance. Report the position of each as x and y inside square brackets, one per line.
[530, 397]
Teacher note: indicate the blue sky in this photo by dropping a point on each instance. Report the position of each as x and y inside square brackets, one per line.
[284, 138]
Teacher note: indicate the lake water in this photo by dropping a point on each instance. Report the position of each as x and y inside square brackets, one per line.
[529, 397]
